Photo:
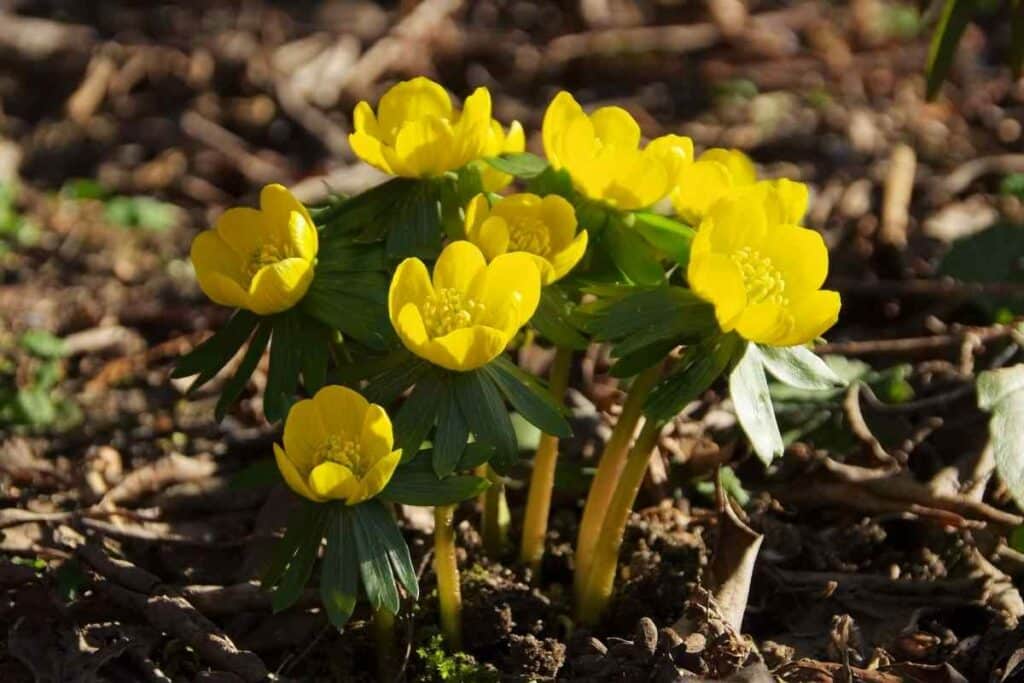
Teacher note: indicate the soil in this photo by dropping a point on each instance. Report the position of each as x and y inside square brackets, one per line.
[133, 523]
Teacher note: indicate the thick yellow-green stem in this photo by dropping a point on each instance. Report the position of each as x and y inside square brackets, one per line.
[542, 480]
[384, 635]
[446, 568]
[605, 560]
[496, 516]
[609, 467]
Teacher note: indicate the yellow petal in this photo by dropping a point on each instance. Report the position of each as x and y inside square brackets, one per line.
[474, 128]
[412, 100]
[737, 221]
[365, 121]
[741, 168]
[303, 236]
[764, 323]
[635, 182]
[466, 349]
[296, 482]
[374, 481]
[280, 286]
[698, 186]
[477, 211]
[566, 259]
[544, 267]
[410, 328]
[342, 411]
[423, 148]
[304, 434]
[243, 229]
[794, 197]
[409, 285]
[370, 150]
[673, 151]
[812, 316]
[559, 114]
[277, 204]
[615, 127]
[219, 270]
[512, 276]
[376, 437]
[457, 265]
[515, 139]
[800, 255]
[492, 237]
[717, 279]
[331, 481]
[560, 218]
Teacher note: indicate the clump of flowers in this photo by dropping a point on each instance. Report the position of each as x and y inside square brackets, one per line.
[414, 296]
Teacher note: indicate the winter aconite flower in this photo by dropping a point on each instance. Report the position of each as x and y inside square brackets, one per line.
[544, 227]
[761, 271]
[501, 142]
[602, 154]
[464, 317]
[718, 172]
[337, 446]
[417, 133]
[261, 260]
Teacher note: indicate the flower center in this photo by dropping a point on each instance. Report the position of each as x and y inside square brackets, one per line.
[761, 279]
[345, 452]
[529, 234]
[449, 310]
[267, 255]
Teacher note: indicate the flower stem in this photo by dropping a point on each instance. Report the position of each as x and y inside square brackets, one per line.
[384, 637]
[542, 480]
[446, 568]
[496, 516]
[605, 560]
[609, 467]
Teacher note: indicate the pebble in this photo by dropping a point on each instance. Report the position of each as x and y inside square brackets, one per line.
[646, 636]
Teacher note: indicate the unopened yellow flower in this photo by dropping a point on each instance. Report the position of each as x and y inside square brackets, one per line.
[718, 172]
[417, 133]
[544, 227]
[602, 154]
[464, 317]
[501, 142]
[762, 272]
[337, 446]
[261, 260]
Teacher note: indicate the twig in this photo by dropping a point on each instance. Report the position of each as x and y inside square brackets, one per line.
[170, 469]
[252, 166]
[965, 174]
[912, 344]
[859, 427]
[943, 287]
[899, 185]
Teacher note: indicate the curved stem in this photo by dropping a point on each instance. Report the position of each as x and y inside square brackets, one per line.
[606, 552]
[609, 468]
[446, 568]
[496, 516]
[542, 479]
[384, 637]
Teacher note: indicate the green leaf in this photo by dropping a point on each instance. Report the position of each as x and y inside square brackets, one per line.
[699, 367]
[521, 164]
[299, 565]
[633, 256]
[286, 350]
[799, 367]
[414, 484]
[208, 358]
[42, 344]
[381, 523]
[260, 474]
[554, 319]
[748, 389]
[529, 396]
[368, 216]
[668, 236]
[482, 406]
[635, 362]
[1001, 393]
[374, 565]
[956, 15]
[234, 387]
[476, 454]
[389, 377]
[451, 436]
[352, 302]
[552, 181]
[339, 575]
[992, 255]
[418, 414]
[315, 345]
[35, 406]
[417, 226]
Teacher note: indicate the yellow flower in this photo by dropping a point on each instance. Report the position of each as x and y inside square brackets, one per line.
[718, 172]
[501, 142]
[761, 271]
[465, 317]
[337, 446]
[602, 154]
[261, 260]
[416, 133]
[544, 227]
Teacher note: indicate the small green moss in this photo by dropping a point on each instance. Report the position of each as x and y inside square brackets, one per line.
[458, 667]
